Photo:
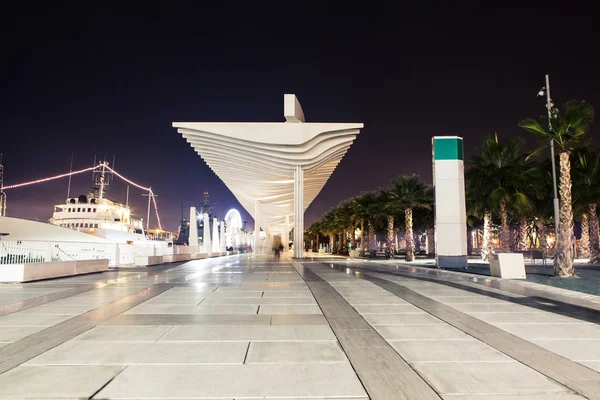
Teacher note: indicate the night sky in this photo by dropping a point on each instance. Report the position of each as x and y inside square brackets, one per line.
[102, 82]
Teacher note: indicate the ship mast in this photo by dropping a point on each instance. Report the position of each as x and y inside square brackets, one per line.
[2, 193]
[101, 194]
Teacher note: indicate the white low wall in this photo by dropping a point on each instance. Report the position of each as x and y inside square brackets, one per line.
[144, 261]
[177, 257]
[47, 270]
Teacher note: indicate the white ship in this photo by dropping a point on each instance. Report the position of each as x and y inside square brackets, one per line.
[100, 216]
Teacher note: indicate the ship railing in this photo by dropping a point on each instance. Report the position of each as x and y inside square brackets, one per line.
[38, 251]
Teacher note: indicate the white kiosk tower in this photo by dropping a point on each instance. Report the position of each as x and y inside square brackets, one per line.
[450, 206]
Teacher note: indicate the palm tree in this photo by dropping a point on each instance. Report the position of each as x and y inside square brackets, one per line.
[586, 194]
[360, 207]
[568, 130]
[497, 181]
[328, 227]
[390, 209]
[376, 212]
[408, 194]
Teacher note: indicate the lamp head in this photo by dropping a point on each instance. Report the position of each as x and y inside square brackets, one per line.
[542, 92]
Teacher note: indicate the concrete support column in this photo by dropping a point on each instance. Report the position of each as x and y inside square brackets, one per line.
[286, 237]
[256, 225]
[206, 236]
[298, 212]
[193, 236]
[215, 236]
[222, 246]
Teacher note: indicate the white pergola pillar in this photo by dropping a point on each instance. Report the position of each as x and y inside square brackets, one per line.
[256, 225]
[222, 246]
[216, 241]
[286, 236]
[298, 212]
[206, 236]
[193, 231]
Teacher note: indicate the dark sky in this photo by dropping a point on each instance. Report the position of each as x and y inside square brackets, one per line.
[108, 82]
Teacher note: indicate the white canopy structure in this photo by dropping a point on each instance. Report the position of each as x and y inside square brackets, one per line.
[274, 169]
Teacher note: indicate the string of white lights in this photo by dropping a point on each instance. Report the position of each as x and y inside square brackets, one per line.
[48, 179]
[149, 190]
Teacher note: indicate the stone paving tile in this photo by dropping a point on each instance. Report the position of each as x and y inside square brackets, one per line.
[388, 309]
[289, 309]
[296, 319]
[125, 333]
[198, 319]
[294, 353]
[261, 301]
[78, 352]
[18, 319]
[237, 381]
[402, 319]
[56, 310]
[175, 301]
[298, 294]
[14, 333]
[199, 309]
[484, 378]
[523, 317]
[420, 332]
[252, 333]
[573, 349]
[447, 350]
[33, 382]
[552, 331]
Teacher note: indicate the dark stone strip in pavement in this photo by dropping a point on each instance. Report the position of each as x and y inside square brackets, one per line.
[383, 373]
[17, 353]
[47, 298]
[536, 299]
[568, 373]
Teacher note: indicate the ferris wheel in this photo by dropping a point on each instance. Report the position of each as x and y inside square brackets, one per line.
[233, 223]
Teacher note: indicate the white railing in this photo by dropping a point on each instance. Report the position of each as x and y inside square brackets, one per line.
[35, 251]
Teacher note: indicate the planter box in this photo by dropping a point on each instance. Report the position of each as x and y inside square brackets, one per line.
[507, 265]
[199, 256]
[354, 253]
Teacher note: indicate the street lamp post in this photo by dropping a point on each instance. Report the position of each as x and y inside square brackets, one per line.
[549, 105]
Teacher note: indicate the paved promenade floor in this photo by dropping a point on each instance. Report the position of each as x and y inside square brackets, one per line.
[256, 327]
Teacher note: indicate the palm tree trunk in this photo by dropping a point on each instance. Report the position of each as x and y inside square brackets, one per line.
[565, 251]
[594, 237]
[317, 243]
[389, 240]
[505, 228]
[352, 234]
[372, 243]
[487, 235]
[340, 243]
[584, 243]
[410, 240]
[431, 241]
[541, 234]
[331, 249]
[523, 225]
[362, 237]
